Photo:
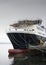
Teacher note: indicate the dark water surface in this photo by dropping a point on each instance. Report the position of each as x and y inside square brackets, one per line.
[21, 59]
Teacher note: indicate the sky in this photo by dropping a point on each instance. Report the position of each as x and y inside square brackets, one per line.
[13, 10]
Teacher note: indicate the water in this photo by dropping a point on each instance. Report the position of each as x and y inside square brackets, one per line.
[20, 59]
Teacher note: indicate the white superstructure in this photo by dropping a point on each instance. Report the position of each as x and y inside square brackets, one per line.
[30, 28]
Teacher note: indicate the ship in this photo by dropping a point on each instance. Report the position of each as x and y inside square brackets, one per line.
[26, 33]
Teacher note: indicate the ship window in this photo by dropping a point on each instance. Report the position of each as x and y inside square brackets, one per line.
[29, 30]
[32, 29]
[24, 29]
[15, 29]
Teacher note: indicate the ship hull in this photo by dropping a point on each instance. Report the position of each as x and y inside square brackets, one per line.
[21, 40]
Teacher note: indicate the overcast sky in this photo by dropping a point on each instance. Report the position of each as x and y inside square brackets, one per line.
[14, 10]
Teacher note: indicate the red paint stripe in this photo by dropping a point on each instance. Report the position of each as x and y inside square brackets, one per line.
[17, 51]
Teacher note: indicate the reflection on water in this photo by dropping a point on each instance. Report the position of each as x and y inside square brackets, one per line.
[34, 57]
[28, 58]
[19, 59]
